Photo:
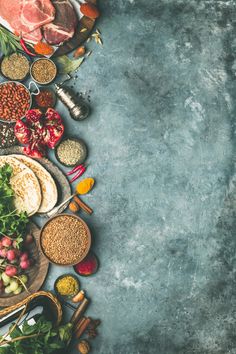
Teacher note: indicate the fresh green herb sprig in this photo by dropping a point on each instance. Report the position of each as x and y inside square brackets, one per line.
[39, 338]
[12, 223]
[9, 43]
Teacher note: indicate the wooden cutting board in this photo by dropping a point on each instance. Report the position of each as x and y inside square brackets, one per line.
[79, 37]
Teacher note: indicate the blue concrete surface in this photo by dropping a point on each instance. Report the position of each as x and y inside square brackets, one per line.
[162, 150]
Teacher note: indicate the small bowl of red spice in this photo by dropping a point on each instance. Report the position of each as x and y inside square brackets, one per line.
[45, 99]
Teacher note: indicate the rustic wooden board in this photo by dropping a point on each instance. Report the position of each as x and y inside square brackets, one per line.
[63, 185]
[79, 37]
[36, 273]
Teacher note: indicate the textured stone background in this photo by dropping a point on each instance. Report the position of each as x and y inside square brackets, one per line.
[162, 149]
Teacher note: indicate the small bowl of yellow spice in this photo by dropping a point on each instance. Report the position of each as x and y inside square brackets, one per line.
[66, 286]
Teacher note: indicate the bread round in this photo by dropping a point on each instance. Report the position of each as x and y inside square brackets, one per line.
[47, 184]
[25, 185]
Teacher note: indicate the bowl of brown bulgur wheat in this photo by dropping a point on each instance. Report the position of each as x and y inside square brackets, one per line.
[65, 239]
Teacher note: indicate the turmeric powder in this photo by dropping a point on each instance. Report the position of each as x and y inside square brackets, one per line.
[43, 48]
[67, 285]
[85, 185]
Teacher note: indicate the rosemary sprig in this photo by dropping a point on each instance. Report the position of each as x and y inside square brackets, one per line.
[8, 42]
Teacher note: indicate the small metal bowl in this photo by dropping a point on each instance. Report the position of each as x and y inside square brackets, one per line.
[66, 297]
[18, 80]
[43, 109]
[83, 155]
[32, 76]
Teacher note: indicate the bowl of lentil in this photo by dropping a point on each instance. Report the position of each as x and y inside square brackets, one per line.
[15, 67]
[71, 151]
[65, 239]
[15, 100]
[43, 71]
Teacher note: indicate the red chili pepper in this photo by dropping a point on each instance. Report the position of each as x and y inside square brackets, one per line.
[23, 44]
[80, 173]
[75, 169]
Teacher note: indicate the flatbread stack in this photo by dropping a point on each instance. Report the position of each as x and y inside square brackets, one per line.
[34, 187]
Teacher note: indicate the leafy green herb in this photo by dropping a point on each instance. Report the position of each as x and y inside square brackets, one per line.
[8, 42]
[67, 65]
[12, 223]
[39, 338]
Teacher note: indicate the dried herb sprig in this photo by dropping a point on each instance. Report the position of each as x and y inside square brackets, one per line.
[97, 37]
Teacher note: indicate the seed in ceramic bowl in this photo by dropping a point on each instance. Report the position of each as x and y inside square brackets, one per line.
[71, 151]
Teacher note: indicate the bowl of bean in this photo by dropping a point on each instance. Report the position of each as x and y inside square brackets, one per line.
[15, 100]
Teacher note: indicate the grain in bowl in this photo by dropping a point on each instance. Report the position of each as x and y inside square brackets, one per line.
[65, 239]
[43, 71]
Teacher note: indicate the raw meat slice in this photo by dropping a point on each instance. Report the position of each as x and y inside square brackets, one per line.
[64, 24]
[25, 16]
[34, 36]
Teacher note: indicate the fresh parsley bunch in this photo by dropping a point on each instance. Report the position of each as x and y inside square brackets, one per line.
[12, 223]
[39, 338]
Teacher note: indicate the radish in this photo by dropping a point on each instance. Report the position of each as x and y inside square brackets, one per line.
[24, 256]
[23, 278]
[25, 264]
[3, 253]
[14, 244]
[18, 290]
[6, 279]
[11, 255]
[6, 241]
[13, 285]
[11, 271]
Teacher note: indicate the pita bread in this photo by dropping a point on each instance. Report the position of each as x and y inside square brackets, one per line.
[25, 185]
[47, 184]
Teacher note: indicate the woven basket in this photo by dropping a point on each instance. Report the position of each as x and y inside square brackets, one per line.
[55, 306]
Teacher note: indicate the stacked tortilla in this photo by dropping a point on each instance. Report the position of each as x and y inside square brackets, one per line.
[34, 187]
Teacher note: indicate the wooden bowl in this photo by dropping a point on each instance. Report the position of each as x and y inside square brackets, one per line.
[89, 239]
[36, 274]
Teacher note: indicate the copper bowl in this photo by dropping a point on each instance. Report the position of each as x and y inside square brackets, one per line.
[89, 240]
